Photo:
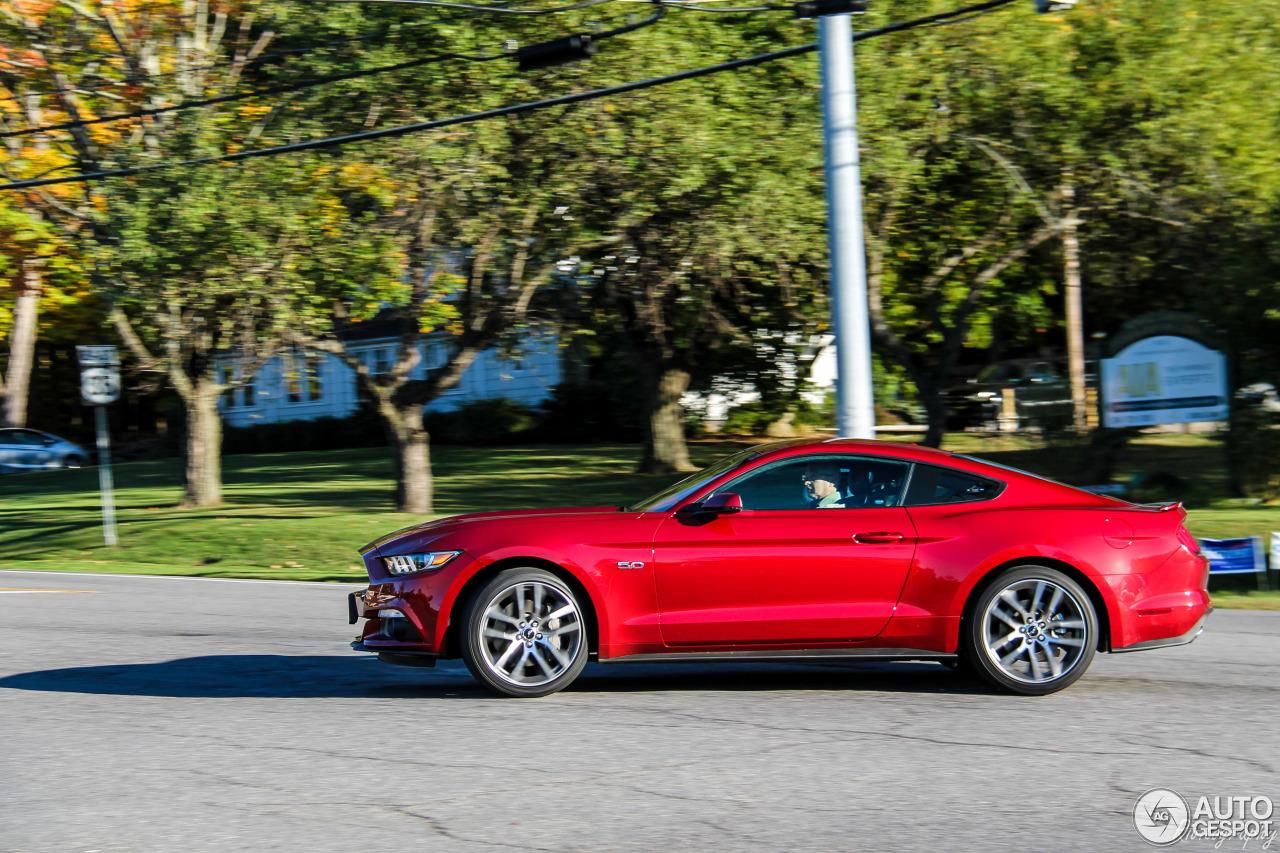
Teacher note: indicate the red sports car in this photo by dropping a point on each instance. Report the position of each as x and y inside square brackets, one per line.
[799, 550]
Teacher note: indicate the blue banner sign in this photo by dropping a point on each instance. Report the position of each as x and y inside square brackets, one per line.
[1234, 556]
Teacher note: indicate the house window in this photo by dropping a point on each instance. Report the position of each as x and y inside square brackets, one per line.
[227, 377]
[292, 377]
[315, 388]
[304, 381]
[234, 397]
[381, 361]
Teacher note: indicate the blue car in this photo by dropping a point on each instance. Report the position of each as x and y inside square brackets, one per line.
[31, 450]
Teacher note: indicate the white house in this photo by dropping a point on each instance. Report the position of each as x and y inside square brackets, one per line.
[820, 354]
[301, 385]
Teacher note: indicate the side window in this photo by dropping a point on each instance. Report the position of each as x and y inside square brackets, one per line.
[1042, 372]
[821, 482]
[931, 485]
[26, 437]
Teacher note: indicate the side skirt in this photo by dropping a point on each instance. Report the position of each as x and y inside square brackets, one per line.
[786, 655]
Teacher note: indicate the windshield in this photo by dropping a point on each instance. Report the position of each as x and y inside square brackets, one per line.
[1001, 372]
[672, 495]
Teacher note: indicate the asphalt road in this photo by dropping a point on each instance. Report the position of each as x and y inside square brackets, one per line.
[168, 714]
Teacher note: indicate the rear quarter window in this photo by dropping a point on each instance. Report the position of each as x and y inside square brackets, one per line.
[932, 485]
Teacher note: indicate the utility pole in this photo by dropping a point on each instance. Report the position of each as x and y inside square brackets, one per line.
[855, 397]
[1075, 310]
[855, 402]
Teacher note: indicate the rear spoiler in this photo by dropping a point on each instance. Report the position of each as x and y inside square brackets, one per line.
[1166, 506]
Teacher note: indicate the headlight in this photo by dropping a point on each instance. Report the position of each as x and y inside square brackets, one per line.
[408, 564]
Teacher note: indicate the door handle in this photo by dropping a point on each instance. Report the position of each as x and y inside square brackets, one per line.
[879, 537]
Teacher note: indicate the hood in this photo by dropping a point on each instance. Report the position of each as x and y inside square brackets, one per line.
[430, 531]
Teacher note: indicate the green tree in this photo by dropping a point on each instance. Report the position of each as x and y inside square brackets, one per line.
[197, 266]
[206, 278]
[1094, 127]
[482, 229]
[709, 195]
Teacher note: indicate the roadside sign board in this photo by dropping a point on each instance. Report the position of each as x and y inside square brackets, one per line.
[99, 374]
[1164, 379]
[1234, 556]
[99, 385]
[98, 356]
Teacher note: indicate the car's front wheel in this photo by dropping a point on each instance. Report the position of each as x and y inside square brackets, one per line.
[525, 634]
[73, 462]
[1032, 630]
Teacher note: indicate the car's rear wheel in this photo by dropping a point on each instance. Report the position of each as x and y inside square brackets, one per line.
[524, 634]
[1033, 631]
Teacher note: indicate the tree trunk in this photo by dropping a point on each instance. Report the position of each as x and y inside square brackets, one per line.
[1102, 453]
[1075, 311]
[22, 348]
[935, 411]
[411, 445]
[665, 451]
[203, 446]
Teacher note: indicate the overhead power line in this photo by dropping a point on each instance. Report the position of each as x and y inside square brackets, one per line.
[473, 7]
[393, 31]
[270, 90]
[515, 109]
[727, 10]
[309, 83]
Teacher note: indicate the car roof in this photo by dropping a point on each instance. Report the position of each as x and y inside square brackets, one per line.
[899, 450]
[919, 453]
[871, 447]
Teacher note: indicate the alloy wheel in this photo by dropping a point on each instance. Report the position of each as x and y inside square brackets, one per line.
[530, 633]
[1035, 631]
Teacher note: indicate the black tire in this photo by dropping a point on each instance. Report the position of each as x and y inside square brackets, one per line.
[1032, 630]
[524, 634]
[73, 462]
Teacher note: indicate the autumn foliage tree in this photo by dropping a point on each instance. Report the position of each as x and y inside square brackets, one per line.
[200, 267]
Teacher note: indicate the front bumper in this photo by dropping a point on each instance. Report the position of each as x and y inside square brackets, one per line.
[419, 625]
[398, 658]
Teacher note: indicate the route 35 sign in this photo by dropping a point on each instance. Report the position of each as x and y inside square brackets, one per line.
[99, 385]
[99, 374]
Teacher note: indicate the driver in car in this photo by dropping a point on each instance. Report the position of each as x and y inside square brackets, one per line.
[820, 480]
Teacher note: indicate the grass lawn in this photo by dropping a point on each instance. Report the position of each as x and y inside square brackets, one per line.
[297, 516]
[301, 516]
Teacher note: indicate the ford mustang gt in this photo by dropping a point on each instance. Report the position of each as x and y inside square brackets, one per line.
[799, 550]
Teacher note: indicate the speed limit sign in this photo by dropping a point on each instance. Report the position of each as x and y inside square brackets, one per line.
[99, 385]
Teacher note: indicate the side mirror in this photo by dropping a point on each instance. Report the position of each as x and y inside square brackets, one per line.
[721, 503]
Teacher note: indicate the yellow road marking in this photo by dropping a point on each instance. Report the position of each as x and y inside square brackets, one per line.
[4, 589]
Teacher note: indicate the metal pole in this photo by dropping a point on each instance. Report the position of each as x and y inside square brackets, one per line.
[104, 477]
[855, 404]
